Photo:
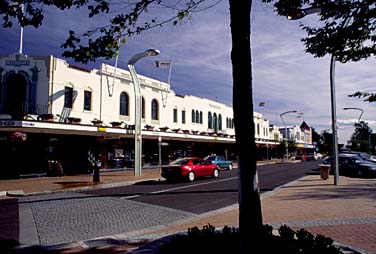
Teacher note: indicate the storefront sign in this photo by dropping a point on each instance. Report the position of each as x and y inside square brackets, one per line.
[17, 62]
[8, 123]
[102, 129]
[214, 106]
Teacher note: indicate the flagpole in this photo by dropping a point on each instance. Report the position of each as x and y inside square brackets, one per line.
[169, 73]
[21, 30]
[116, 64]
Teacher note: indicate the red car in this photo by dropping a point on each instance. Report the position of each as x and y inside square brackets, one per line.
[189, 169]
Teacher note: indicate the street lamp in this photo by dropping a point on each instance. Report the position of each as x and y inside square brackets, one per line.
[361, 112]
[301, 14]
[287, 144]
[360, 116]
[138, 105]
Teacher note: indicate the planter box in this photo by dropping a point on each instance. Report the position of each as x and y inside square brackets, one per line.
[74, 120]
[116, 124]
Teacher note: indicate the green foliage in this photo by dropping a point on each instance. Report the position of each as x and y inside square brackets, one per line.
[347, 30]
[370, 97]
[210, 240]
[99, 42]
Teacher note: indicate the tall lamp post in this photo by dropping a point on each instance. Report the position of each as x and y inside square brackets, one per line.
[360, 116]
[302, 14]
[138, 105]
[361, 112]
[287, 144]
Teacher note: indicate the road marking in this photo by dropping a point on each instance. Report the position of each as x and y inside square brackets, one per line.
[179, 188]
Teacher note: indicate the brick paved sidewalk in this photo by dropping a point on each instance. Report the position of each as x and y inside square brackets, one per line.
[54, 184]
[345, 213]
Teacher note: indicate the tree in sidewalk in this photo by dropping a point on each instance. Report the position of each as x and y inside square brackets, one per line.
[361, 137]
[347, 29]
[103, 42]
[370, 97]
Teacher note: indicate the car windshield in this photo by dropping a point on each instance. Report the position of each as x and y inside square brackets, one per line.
[180, 161]
[209, 158]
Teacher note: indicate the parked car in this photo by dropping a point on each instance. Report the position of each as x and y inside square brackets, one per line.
[189, 168]
[220, 161]
[352, 165]
[362, 155]
[306, 157]
[319, 156]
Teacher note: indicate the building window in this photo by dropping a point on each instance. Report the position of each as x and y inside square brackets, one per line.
[175, 115]
[220, 122]
[68, 97]
[215, 122]
[258, 129]
[154, 110]
[87, 100]
[200, 117]
[124, 104]
[209, 120]
[183, 116]
[142, 107]
[197, 117]
[193, 116]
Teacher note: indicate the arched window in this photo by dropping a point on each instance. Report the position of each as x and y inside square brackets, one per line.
[193, 116]
[200, 117]
[209, 120]
[220, 122]
[215, 122]
[143, 107]
[175, 115]
[197, 117]
[154, 110]
[124, 104]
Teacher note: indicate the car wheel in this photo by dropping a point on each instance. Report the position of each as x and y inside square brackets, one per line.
[229, 167]
[191, 176]
[215, 173]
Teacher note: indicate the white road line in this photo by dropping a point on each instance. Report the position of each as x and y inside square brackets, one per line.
[179, 188]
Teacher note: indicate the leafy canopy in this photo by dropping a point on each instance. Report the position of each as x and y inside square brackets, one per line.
[370, 97]
[102, 41]
[346, 28]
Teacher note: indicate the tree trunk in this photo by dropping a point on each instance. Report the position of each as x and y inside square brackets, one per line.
[250, 217]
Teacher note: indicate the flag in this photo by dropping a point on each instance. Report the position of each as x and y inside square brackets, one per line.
[162, 64]
[262, 104]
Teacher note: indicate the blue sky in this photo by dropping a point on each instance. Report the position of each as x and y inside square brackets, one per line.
[284, 76]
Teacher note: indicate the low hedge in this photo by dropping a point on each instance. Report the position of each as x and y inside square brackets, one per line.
[209, 240]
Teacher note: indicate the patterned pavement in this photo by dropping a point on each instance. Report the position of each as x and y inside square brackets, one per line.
[346, 213]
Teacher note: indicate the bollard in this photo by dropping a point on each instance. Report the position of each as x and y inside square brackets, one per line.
[324, 171]
[96, 178]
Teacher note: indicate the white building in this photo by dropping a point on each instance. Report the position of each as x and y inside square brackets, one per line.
[65, 112]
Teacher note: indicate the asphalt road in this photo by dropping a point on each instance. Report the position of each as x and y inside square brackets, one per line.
[207, 194]
[71, 216]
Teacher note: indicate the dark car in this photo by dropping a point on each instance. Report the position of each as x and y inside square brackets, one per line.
[353, 165]
[362, 155]
[189, 168]
[220, 161]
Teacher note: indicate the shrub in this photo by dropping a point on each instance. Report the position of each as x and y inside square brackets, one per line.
[209, 240]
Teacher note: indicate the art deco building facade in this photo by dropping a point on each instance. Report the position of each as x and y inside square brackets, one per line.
[51, 110]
